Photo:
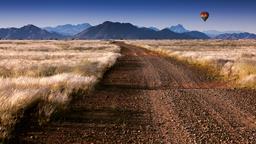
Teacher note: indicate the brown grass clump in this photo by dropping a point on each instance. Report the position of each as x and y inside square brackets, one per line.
[48, 73]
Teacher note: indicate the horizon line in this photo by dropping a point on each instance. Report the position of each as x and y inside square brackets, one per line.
[42, 27]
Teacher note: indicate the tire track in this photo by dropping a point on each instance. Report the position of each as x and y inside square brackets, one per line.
[146, 98]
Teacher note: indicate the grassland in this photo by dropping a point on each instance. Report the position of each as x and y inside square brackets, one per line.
[235, 60]
[48, 73]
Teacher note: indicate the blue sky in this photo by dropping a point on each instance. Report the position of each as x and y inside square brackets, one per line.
[224, 14]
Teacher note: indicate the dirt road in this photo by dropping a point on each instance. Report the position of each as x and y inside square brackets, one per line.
[146, 98]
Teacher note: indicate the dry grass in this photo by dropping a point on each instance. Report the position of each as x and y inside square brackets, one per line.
[48, 72]
[235, 60]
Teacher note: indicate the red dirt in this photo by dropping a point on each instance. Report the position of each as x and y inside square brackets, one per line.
[146, 98]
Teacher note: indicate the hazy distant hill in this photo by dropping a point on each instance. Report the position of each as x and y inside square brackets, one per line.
[178, 29]
[116, 30]
[29, 32]
[154, 28]
[236, 36]
[197, 35]
[68, 29]
[214, 33]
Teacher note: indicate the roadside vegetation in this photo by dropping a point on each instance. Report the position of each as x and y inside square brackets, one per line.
[233, 59]
[47, 74]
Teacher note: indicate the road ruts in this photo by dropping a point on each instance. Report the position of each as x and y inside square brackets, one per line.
[146, 98]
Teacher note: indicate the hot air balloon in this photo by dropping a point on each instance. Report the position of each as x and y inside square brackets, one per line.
[204, 15]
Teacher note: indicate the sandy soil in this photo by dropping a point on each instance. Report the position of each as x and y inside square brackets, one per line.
[146, 98]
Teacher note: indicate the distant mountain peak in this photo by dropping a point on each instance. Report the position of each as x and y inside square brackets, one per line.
[69, 29]
[180, 25]
[110, 22]
[178, 28]
[154, 28]
[166, 30]
[30, 26]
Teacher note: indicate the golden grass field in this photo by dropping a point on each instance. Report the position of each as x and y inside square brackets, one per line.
[48, 72]
[235, 60]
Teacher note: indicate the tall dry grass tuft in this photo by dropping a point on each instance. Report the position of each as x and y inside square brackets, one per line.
[235, 60]
[46, 74]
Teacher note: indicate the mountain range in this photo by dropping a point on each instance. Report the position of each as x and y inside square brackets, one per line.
[28, 32]
[211, 33]
[236, 36]
[115, 30]
[68, 29]
[215, 33]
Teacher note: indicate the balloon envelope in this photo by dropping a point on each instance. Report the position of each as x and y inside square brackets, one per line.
[204, 15]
